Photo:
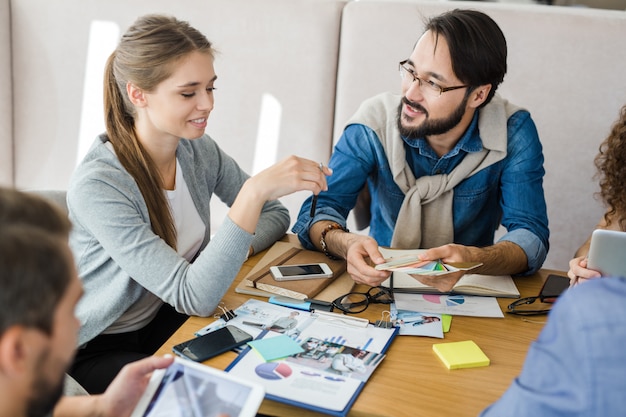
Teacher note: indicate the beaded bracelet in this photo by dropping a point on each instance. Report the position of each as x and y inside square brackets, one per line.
[332, 226]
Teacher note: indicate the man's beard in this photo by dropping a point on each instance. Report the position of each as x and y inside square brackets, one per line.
[44, 394]
[430, 127]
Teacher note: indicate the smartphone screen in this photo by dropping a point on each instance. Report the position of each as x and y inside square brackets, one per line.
[301, 271]
[553, 287]
[212, 344]
[294, 270]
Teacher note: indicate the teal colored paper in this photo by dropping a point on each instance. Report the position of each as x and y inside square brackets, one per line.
[277, 347]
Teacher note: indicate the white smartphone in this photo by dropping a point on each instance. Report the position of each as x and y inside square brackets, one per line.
[606, 253]
[301, 271]
[189, 388]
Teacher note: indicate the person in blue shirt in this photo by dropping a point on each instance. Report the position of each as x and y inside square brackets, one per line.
[576, 367]
[443, 165]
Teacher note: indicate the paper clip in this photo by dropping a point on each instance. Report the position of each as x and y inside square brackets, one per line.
[385, 320]
[227, 313]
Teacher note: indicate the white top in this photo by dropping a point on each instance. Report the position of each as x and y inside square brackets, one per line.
[190, 232]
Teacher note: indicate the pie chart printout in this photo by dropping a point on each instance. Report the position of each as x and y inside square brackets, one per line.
[273, 370]
[449, 300]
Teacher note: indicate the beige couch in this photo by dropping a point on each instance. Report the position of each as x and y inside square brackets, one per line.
[292, 71]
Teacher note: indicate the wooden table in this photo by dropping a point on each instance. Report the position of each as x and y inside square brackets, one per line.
[411, 380]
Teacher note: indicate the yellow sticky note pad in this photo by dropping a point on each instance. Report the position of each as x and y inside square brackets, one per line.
[456, 355]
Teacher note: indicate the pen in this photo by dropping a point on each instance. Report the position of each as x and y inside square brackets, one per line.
[313, 204]
[314, 201]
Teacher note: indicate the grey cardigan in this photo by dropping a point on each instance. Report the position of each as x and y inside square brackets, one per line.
[119, 257]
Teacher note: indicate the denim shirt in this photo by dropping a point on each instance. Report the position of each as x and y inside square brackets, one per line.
[576, 366]
[509, 192]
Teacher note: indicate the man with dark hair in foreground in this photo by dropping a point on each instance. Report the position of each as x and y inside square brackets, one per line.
[39, 289]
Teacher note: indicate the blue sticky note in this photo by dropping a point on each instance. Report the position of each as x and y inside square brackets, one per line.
[290, 302]
[271, 348]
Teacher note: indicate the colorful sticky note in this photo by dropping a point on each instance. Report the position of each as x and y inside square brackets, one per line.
[271, 348]
[446, 322]
[456, 355]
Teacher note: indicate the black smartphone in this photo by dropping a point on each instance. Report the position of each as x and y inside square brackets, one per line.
[212, 344]
[553, 287]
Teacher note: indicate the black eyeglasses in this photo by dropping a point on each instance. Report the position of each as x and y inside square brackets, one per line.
[514, 307]
[356, 302]
[427, 86]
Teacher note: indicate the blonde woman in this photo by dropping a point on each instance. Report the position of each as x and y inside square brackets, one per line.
[139, 201]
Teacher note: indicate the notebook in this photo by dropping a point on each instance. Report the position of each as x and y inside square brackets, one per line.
[261, 279]
[468, 284]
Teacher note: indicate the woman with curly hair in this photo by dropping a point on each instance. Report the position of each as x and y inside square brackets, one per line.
[611, 165]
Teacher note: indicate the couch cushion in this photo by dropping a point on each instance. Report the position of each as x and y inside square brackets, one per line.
[564, 68]
[6, 105]
[277, 60]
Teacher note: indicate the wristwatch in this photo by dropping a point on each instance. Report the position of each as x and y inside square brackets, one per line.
[332, 226]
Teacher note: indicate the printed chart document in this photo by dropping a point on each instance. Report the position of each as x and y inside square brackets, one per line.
[404, 278]
[255, 316]
[339, 355]
[453, 304]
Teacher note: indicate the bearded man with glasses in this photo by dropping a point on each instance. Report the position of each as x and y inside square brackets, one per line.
[440, 166]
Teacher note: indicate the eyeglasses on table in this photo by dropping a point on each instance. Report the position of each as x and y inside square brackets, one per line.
[514, 307]
[356, 302]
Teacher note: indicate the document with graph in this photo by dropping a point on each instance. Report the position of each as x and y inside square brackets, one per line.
[339, 354]
[453, 304]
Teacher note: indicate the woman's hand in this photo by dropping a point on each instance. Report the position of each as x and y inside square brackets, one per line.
[578, 271]
[290, 175]
[285, 177]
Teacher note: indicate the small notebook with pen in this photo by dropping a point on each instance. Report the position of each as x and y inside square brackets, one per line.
[263, 280]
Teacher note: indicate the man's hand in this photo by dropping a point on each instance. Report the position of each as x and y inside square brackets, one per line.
[120, 398]
[360, 249]
[123, 394]
[503, 258]
[443, 283]
[450, 253]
